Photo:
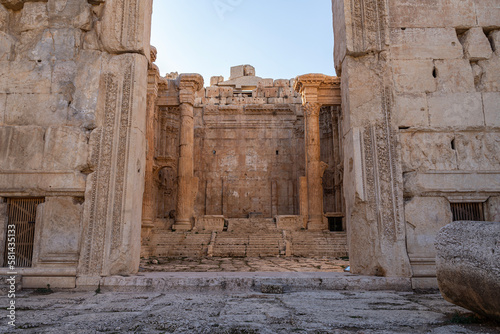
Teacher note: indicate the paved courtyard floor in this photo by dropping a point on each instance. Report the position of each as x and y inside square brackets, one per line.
[247, 264]
[313, 312]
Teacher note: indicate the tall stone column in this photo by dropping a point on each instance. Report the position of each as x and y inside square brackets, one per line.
[148, 201]
[187, 184]
[316, 90]
[314, 167]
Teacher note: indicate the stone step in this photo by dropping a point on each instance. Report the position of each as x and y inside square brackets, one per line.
[251, 282]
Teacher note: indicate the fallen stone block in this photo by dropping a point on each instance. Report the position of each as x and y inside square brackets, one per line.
[468, 266]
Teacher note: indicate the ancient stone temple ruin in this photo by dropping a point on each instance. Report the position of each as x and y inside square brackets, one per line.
[246, 159]
[102, 159]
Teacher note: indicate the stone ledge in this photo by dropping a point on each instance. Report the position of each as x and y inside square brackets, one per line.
[247, 282]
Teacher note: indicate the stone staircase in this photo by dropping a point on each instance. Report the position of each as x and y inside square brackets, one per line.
[254, 237]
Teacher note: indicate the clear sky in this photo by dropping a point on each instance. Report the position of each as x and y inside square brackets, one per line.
[280, 38]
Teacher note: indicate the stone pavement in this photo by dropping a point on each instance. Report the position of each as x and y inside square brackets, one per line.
[244, 264]
[297, 312]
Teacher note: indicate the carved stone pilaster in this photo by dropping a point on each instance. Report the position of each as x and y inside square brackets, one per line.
[111, 238]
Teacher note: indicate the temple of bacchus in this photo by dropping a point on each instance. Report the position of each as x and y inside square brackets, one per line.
[103, 161]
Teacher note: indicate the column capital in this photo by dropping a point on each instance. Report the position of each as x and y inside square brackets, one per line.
[318, 87]
[312, 109]
[189, 83]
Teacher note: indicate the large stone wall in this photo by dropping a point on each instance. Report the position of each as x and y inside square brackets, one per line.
[72, 105]
[421, 97]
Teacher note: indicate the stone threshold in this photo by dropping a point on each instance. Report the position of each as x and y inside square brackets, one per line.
[250, 281]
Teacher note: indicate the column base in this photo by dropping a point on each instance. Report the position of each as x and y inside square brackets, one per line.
[182, 225]
[316, 225]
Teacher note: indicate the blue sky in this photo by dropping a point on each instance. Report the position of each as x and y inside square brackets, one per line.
[281, 38]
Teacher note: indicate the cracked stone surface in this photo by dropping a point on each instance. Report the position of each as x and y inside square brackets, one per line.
[301, 312]
[247, 264]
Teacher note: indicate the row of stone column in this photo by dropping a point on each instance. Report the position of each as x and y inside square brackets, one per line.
[312, 188]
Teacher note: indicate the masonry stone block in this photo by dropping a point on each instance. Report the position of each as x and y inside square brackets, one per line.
[487, 13]
[411, 110]
[6, 46]
[494, 38]
[36, 109]
[454, 76]
[477, 151]
[57, 44]
[34, 16]
[423, 151]
[422, 226]
[414, 76]
[476, 45]
[425, 43]
[490, 79]
[456, 110]
[429, 14]
[491, 102]
[65, 148]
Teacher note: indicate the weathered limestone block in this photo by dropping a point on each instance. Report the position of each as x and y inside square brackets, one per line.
[126, 26]
[212, 92]
[494, 38]
[23, 148]
[215, 80]
[265, 83]
[65, 148]
[361, 86]
[70, 13]
[427, 151]
[4, 18]
[34, 16]
[411, 110]
[487, 13]
[490, 79]
[429, 43]
[456, 110]
[431, 182]
[17, 4]
[58, 231]
[422, 226]
[281, 83]
[491, 102]
[414, 76]
[468, 266]
[57, 45]
[454, 76]
[478, 151]
[493, 208]
[476, 45]
[289, 223]
[25, 77]
[36, 109]
[86, 82]
[429, 14]
[7, 43]
[210, 223]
